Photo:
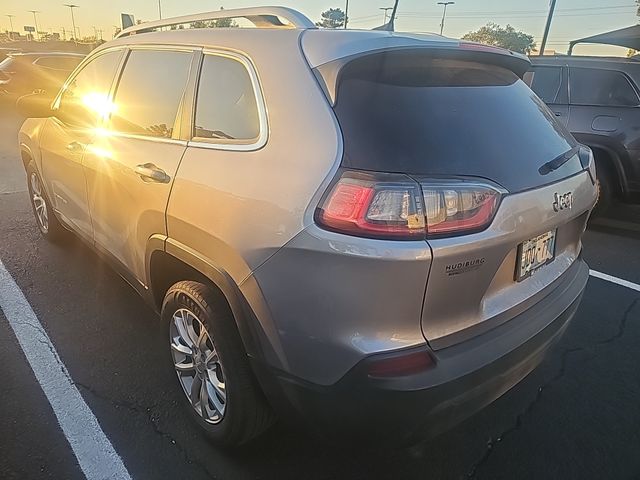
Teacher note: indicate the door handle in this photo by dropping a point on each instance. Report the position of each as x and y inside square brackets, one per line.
[149, 172]
[75, 147]
[557, 114]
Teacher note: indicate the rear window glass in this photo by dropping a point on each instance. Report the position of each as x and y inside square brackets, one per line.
[545, 81]
[419, 114]
[601, 87]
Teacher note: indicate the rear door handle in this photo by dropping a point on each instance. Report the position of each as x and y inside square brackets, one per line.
[150, 173]
[557, 114]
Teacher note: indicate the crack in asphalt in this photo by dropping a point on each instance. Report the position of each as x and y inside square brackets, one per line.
[493, 442]
[147, 412]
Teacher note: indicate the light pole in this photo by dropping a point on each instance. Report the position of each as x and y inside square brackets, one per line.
[160, 9]
[552, 8]
[346, 14]
[444, 13]
[73, 20]
[35, 21]
[11, 23]
[385, 10]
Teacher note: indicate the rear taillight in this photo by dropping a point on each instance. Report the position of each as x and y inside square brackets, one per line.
[588, 162]
[395, 206]
[458, 207]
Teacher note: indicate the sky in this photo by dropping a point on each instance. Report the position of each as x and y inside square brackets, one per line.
[573, 18]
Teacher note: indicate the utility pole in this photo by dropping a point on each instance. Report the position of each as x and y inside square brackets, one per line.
[11, 23]
[73, 20]
[35, 21]
[385, 10]
[552, 7]
[444, 13]
[64, 35]
[160, 9]
[346, 14]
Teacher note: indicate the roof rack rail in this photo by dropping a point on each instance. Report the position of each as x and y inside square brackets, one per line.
[261, 17]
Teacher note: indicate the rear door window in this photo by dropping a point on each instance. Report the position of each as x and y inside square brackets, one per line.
[546, 82]
[226, 106]
[590, 86]
[149, 92]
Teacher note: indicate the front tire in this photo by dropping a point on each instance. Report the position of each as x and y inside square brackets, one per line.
[48, 224]
[212, 367]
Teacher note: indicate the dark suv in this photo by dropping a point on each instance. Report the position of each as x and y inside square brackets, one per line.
[598, 99]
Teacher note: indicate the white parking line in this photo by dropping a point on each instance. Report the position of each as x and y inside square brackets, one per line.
[616, 280]
[95, 454]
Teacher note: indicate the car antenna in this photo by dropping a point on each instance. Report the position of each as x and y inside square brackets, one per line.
[390, 25]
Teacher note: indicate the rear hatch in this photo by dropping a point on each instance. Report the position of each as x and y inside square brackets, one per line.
[461, 123]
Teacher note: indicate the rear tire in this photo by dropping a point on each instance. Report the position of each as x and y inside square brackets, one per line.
[226, 401]
[48, 224]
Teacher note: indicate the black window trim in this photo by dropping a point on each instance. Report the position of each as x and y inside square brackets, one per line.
[624, 74]
[232, 145]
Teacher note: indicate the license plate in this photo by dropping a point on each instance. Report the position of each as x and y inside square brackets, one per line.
[535, 253]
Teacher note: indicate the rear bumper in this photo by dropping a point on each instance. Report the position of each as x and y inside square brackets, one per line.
[467, 377]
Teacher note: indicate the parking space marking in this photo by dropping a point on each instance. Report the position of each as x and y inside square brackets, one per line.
[616, 280]
[96, 456]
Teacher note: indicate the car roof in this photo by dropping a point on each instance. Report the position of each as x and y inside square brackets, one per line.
[319, 45]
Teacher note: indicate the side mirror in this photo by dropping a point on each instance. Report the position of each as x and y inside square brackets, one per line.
[35, 105]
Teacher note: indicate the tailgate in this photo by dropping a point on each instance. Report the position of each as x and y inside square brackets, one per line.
[472, 284]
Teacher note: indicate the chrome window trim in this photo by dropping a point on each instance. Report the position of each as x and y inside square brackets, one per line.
[235, 145]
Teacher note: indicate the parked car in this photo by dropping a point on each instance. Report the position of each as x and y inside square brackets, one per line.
[597, 99]
[378, 237]
[22, 73]
[5, 52]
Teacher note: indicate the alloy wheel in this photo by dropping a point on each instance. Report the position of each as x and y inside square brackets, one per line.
[198, 366]
[39, 204]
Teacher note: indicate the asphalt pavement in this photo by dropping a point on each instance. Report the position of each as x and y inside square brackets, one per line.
[576, 416]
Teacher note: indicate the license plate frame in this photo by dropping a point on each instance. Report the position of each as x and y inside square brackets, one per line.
[534, 246]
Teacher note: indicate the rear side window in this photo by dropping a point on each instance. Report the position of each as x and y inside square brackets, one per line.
[421, 114]
[546, 81]
[588, 86]
[149, 92]
[226, 107]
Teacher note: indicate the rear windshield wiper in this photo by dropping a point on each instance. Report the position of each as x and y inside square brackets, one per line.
[558, 161]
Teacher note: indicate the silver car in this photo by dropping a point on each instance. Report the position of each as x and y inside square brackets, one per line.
[371, 232]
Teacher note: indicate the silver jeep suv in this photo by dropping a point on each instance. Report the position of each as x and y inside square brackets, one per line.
[373, 232]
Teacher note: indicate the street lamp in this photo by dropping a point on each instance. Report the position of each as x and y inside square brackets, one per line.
[73, 20]
[160, 9]
[385, 10]
[35, 21]
[11, 23]
[444, 13]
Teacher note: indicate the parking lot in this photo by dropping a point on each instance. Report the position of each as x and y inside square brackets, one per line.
[576, 416]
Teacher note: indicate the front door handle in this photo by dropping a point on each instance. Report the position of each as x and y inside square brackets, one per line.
[75, 147]
[150, 173]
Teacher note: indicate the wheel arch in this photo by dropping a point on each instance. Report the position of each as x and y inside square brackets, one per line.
[603, 150]
[173, 263]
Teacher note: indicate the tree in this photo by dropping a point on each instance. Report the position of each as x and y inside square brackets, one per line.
[507, 37]
[332, 18]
